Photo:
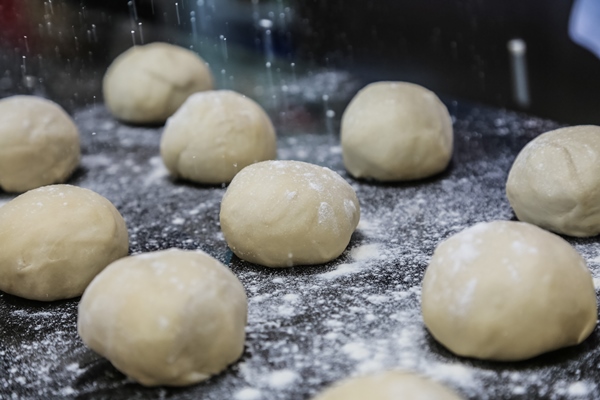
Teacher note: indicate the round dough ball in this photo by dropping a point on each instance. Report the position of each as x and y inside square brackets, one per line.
[391, 385]
[395, 131]
[555, 181]
[39, 143]
[214, 135]
[285, 213]
[56, 239]
[147, 84]
[507, 291]
[169, 317]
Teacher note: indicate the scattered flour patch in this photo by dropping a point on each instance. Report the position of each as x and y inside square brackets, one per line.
[366, 252]
[452, 372]
[157, 171]
[292, 297]
[369, 367]
[248, 393]
[74, 367]
[341, 270]
[377, 299]
[356, 351]
[96, 161]
[581, 388]
[283, 378]
[518, 390]
[67, 391]
[286, 310]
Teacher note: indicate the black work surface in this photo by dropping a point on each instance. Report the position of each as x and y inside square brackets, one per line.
[308, 326]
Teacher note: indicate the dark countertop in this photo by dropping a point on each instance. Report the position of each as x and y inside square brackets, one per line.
[308, 326]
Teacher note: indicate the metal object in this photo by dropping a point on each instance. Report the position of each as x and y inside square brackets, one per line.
[517, 49]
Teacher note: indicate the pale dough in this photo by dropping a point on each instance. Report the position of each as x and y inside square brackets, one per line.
[555, 181]
[391, 385]
[395, 131]
[169, 317]
[285, 213]
[56, 239]
[214, 135]
[147, 84]
[507, 291]
[39, 143]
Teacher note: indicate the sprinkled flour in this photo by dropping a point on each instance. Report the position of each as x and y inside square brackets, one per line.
[307, 326]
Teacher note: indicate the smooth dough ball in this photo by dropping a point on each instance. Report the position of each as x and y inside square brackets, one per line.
[169, 317]
[507, 291]
[56, 239]
[285, 213]
[395, 131]
[39, 143]
[214, 135]
[147, 84]
[391, 385]
[555, 181]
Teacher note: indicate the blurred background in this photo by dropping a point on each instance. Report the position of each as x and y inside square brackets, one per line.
[302, 57]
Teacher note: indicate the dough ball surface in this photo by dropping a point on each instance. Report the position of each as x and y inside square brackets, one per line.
[391, 385]
[214, 135]
[39, 143]
[285, 213]
[507, 291]
[56, 239]
[395, 131]
[147, 84]
[555, 181]
[169, 317]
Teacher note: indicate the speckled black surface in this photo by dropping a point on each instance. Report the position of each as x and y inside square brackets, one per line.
[315, 327]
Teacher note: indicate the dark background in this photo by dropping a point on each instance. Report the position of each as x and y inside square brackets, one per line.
[456, 48]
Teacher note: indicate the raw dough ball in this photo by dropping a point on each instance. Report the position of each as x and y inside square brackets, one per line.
[391, 385]
[214, 135]
[55, 239]
[170, 317]
[507, 291]
[284, 213]
[394, 131]
[39, 143]
[555, 181]
[147, 84]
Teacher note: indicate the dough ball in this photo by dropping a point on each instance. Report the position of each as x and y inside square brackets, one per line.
[147, 84]
[395, 131]
[56, 239]
[391, 385]
[285, 213]
[39, 143]
[555, 181]
[507, 291]
[169, 317]
[214, 135]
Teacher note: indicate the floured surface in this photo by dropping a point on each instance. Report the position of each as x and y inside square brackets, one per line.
[308, 326]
